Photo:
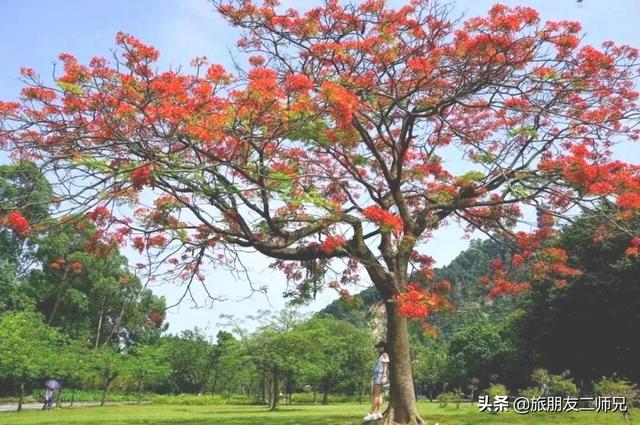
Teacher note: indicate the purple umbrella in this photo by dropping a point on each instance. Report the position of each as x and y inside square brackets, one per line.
[52, 384]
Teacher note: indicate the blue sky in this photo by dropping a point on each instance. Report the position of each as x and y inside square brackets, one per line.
[34, 32]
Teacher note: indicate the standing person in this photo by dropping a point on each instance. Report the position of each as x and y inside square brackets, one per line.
[48, 399]
[380, 378]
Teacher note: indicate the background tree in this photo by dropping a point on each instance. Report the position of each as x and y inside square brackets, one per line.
[278, 349]
[332, 144]
[430, 363]
[236, 369]
[224, 345]
[339, 352]
[146, 366]
[188, 356]
[72, 367]
[28, 348]
[90, 295]
[23, 188]
[106, 365]
[560, 325]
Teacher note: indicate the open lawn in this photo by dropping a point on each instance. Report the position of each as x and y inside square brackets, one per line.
[338, 414]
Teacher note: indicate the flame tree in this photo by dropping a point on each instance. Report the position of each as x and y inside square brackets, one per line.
[330, 147]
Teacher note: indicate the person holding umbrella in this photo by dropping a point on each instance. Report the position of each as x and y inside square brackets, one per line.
[50, 386]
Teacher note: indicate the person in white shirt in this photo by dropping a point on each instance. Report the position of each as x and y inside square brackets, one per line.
[380, 378]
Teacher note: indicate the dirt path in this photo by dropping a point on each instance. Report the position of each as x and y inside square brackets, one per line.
[37, 406]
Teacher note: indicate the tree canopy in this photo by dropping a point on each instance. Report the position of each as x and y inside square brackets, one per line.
[332, 145]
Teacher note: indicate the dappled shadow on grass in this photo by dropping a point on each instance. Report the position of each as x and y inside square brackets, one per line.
[471, 417]
[262, 420]
[245, 413]
[289, 415]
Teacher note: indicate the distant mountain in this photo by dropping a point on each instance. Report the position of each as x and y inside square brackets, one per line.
[467, 294]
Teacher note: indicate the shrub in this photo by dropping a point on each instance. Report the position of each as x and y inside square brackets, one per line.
[84, 395]
[305, 398]
[496, 390]
[554, 385]
[339, 398]
[564, 387]
[457, 396]
[530, 392]
[444, 399]
[244, 400]
[613, 387]
[187, 399]
[450, 397]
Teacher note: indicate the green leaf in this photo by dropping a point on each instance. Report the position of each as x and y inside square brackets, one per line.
[524, 130]
[69, 87]
[99, 165]
[520, 191]
[471, 176]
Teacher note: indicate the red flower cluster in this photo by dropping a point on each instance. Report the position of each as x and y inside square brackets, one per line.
[383, 218]
[264, 82]
[634, 249]
[8, 108]
[629, 200]
[141, 176]
[442, 287]
[430, 330]
[507, 287]
[417, 302]
[18, 223]
[502, 285]
[100, 215]
[76, 267]
[156, 317]
[136, 50]
[217, 74]
[342, 103]
[57, 265]
[256, 60]
[298, 82]
[158, 241]
[331, 243]
[138, 243]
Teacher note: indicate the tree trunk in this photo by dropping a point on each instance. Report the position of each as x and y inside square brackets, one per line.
[265, 389]
[56, 305]
[140, 391]
[104, 395]
[402, 409]
[215, 382]
[99, 328]
[116, 326]
[325, 392]
[73, 395]
[105, 389]
[275, 389]
[20, 400]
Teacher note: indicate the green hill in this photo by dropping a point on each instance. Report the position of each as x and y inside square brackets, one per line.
[467, 294]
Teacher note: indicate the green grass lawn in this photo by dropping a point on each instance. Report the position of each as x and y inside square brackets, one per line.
[338, 414]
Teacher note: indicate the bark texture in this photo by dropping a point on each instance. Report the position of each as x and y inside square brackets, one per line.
[402, 405]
